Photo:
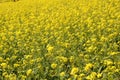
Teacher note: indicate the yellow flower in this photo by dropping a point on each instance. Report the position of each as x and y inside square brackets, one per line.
[7, 77]
[53, 65]
[64, 59]
[11, 38]
[74, 71]
[69, 79]
[75, 76]
[71, 59]
[5, 50]
[4, 73]
[50, 48]
[1, 46]
[28, 56]
[12, 77]
[62, 74]
[29, 72]
[66, 45]
[16, 65]
[113, 53]
[103, 38]
[82, 75]
[92, 76]
[32, 61]
[7, 59]
[88, 66]
[4, 65]
[99, 75]
[1, 59]
[3, 38]
[38, 59]
[108, 62]
[23, 77]
[79, 78]
[13, 57]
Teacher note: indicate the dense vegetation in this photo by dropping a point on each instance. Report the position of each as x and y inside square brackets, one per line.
[60, 40]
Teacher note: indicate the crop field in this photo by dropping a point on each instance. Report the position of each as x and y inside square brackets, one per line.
[60, 40]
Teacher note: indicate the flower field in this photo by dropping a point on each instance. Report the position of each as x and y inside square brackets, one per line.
[60, 40]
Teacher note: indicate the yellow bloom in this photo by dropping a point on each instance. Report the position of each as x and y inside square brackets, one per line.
[13, 57]
[1, 59]
[1, 46]
[4, 38]
[5, 50]
[113, 53]
[66, 45]
[92, 76]
[99, 75]
[88, 66]
[12, 77]
[4, 65]
[29, 72]
[27, 56]
[74, 71]
[69, 79]
[62, 74]
[79, 78]
[75, 76]
[108, 62]
[53, 65]
[23, 77]
[6, 77]
[32, 61]
[64, 59]
[50, 48]
[4, 74]
[82, 75]
[16, 65]
[71, 59]
[11, 38]
[7, 59]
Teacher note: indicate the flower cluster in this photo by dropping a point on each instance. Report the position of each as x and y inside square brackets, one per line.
[60, 40]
